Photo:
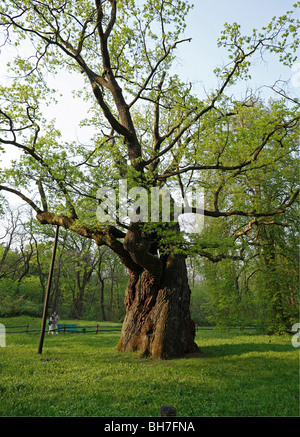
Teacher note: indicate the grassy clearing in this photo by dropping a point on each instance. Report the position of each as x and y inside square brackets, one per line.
[239, 374]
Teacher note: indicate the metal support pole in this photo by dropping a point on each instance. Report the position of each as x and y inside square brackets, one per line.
[40, 349]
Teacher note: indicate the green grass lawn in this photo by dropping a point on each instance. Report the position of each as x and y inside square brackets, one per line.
[239, 374]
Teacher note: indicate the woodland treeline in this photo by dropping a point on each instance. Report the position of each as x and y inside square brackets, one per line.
[260, 288]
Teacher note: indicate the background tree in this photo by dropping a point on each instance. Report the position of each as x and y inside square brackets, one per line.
[9, 234]
[76, 288]
[150, 129]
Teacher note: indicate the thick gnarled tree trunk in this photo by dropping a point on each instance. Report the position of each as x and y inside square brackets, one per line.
[157, 321]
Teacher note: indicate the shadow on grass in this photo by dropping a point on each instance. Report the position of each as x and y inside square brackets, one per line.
[223, 350]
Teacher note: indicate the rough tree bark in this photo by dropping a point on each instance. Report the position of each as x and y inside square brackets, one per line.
[157, 321]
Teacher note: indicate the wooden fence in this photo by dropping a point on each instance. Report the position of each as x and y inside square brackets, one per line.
[21, 329]
[65, 329]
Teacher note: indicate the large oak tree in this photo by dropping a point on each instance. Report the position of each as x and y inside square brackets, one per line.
[150, 130]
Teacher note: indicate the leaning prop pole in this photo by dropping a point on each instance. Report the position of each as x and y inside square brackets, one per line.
[40, 349]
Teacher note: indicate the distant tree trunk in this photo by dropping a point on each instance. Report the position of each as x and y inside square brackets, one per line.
[111, 300]
[83, 277]
[102, 309]
[157, 320]
[42, 276]
[56, 292]
[26, 256]
[101, 280]
[280, 318]
[12, 233]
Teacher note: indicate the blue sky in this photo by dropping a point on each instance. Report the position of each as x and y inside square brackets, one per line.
[204, 25]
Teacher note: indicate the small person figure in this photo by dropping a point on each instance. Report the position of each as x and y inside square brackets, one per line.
[55, 321]
[50, 323]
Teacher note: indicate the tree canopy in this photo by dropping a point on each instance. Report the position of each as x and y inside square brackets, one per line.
[150, 126]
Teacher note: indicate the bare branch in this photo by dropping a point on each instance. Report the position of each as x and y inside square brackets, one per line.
[289, 201]
[154, 70]
[22, 196]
